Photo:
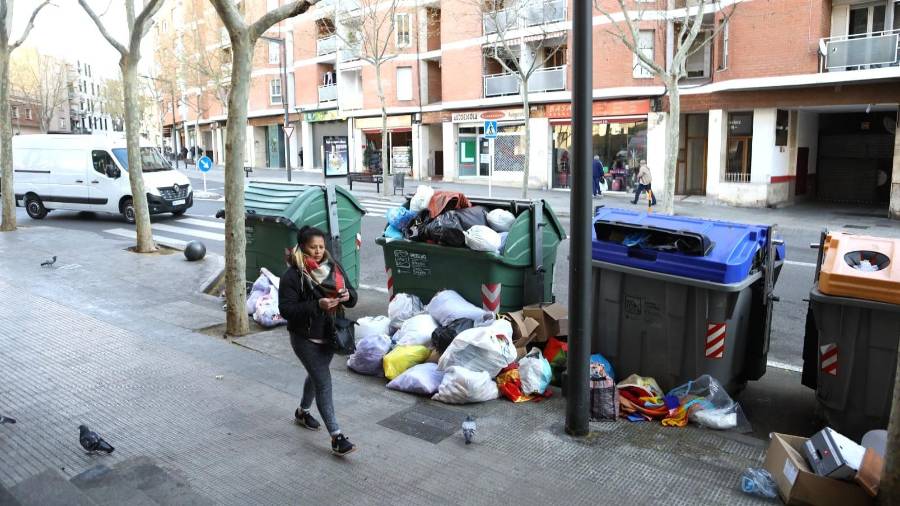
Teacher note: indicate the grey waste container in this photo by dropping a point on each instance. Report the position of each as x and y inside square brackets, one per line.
[703, 307]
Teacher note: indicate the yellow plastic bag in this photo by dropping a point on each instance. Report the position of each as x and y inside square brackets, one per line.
[402, 358]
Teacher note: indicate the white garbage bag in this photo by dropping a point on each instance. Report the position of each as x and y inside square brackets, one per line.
[422, 199]
[370, 351]
[481, 349]
[372, 325]
[501, 220]
[535, 372]
[461, 386]
[447, 305]
[416, 331]
[267, 313]
[403, 307]
[419, 379]
[482, 238]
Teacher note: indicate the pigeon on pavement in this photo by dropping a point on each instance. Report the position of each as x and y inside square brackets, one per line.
[6, 419]
[91, 441]
[468, 429]
[49, 263]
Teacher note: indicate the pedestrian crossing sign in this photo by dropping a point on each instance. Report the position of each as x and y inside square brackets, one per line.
[490, 129]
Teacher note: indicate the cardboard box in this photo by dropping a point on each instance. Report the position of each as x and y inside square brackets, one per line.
[553, 320]
[523, 326]
[869, 475]
[798, 484]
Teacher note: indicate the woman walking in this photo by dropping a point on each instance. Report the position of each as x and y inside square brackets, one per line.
[313, 291]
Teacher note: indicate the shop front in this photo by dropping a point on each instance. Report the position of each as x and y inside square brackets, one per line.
[619, 138]
[325, 142]
[478, 157]
[399, 144]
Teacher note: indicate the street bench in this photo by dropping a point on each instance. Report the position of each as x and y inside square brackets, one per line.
[365, 177]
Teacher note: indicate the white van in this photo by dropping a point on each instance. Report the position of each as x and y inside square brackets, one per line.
[90, 173]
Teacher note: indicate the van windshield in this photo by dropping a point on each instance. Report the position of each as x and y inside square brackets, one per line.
[151, 161]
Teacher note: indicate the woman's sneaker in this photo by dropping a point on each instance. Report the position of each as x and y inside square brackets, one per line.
[304, 419]
[341, 446]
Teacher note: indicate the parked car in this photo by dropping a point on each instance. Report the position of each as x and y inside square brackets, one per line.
[90, 173]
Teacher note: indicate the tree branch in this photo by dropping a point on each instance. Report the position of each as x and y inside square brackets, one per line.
[109, 38]
[144, 22]
[229, 15]
[277, 15]
[28, 27]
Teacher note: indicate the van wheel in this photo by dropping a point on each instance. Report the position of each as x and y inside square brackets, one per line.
[128, 210]
[35, 208]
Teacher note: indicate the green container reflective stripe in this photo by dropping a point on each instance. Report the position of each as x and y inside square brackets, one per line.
[275, 211]
[499, 283]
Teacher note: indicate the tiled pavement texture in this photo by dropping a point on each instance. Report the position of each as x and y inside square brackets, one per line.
[217, 416]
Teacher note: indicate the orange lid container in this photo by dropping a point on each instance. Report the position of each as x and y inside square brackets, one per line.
[862, 267]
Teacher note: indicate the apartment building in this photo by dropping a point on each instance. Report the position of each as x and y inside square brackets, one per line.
[792, 99]
[88, 102]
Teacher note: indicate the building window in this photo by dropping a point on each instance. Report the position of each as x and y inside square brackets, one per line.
[723, 51]
[740, 147]
[15, 112]
[28, 113]
[645, 46]
[274, 50]
[62, 123]
[275, 91]
[404, 83]
[402, 29]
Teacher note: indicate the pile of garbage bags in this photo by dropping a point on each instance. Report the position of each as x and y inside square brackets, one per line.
[448, 218]
[450, 349]
[262, 303]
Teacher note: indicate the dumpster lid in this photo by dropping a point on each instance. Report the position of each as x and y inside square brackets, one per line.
[284, 202]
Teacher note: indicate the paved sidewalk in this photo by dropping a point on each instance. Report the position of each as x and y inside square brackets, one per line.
[111, 339]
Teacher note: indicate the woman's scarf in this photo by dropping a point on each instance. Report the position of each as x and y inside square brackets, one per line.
[325, 274]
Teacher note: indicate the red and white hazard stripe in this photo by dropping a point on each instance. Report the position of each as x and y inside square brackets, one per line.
[490, 297]
[358, 241]
[715, 340]
[390, 282]
[829, 353]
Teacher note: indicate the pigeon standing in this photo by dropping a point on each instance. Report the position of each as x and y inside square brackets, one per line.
[92, 442]
[468, 429]
[6, 419]
[49, 263]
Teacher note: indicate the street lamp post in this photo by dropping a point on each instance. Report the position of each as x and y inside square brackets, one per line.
[284, 101]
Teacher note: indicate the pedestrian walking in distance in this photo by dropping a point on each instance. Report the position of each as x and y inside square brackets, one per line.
[644, 179]
[597, 173]
[313, 292]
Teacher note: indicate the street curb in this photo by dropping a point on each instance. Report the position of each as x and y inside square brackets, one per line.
[215, 277]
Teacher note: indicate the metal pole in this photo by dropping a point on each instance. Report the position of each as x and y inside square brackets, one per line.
[284, 99]
[578, 371]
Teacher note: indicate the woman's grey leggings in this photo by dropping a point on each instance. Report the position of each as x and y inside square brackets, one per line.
[316, 358]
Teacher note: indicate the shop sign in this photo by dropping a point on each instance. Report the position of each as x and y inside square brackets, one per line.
[316, 116]
[336, 154]
[482, 116]
[601, 108]
[403, 121]
[401, 159]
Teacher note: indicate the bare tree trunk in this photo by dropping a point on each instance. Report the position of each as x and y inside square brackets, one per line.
[6, 181]
[384, 133]
[889, 489]
[526, 109]
[237, 323]
[135, 170]
[673, 126]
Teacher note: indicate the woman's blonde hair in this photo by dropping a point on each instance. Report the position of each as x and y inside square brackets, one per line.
[296, 257]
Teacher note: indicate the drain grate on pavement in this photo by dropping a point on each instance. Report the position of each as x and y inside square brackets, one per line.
[425, 421]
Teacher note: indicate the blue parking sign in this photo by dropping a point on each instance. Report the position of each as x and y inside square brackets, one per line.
[490, 129]
[204, 164]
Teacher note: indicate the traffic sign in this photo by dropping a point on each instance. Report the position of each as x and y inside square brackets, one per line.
[490, 129]
[288, 130]
[204, 164]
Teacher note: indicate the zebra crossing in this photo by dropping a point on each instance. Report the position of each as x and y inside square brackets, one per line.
[177, 233]
[377, 207]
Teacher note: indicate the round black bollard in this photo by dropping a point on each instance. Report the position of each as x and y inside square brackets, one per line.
[194, 250]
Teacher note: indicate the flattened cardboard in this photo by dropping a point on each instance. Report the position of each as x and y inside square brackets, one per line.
[523, 326]
[799, 485]
[553, 320]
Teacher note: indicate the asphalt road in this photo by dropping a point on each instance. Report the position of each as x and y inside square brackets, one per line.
[200, 223]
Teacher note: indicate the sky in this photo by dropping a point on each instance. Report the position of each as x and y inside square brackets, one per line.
[65, 30]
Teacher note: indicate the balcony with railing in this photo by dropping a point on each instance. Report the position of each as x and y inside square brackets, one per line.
[349, 53]
[326, 45]
[860, 51]
[533, 13]
[327, 93]
[736, 177]
[541, 80]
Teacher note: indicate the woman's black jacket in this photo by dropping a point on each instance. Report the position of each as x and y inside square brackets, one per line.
[298, 303]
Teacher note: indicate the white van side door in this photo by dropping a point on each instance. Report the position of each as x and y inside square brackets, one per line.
[68, 186]
[105, 189]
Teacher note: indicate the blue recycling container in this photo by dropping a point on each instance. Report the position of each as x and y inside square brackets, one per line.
[728, 249]
[678, 297]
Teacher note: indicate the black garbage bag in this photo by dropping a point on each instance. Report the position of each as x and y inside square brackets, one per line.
[446, 230]
[471, 216]
[415, 228]
[443, 336]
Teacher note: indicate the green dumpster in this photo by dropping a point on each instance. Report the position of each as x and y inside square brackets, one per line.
[499, 283]
[276, 210]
